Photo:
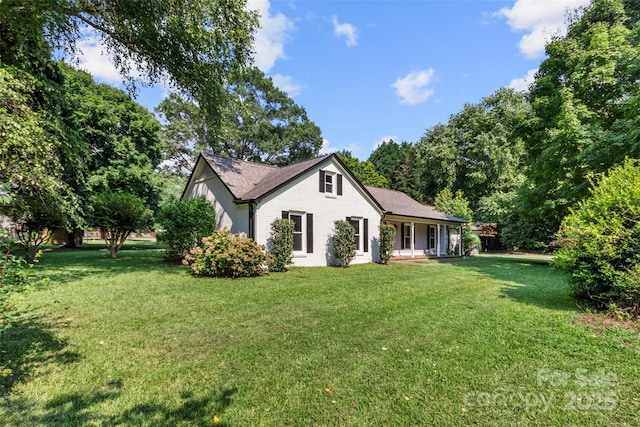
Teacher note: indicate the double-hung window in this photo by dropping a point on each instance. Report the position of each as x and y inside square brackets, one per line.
[406, 235]
[302, 231]
[432, 234]
[361, 231]
[355, 223]
[330, 183]
[297, 231]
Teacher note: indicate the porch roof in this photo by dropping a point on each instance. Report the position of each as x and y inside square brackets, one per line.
[397, 203]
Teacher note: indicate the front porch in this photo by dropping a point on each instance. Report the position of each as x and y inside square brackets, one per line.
[424, 239]
[403, 258]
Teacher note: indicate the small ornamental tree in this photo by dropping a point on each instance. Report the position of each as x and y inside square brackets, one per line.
[184, 223]
[280, 244]
[227, 255]
[600, 242]
[116, 215]
[344, 242]
[387, 242]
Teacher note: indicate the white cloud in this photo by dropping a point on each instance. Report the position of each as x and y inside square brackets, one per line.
[271, 36]
[93, 59]
[326, 147]
[414, 87]
[287, 84]
[345, 30]
[522, 84]
[540, 19]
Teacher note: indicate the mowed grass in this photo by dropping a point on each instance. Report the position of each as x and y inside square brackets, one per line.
[482, 341]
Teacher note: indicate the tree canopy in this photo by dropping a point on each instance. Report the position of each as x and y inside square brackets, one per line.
[585, 117]
[397, 163]
[260, 123]
[194, 44]
[478, 152]
[364, 171]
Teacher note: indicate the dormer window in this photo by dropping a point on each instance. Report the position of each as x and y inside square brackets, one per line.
[330, 183]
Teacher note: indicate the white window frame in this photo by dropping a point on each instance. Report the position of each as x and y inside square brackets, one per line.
[359, 233]
[433, 233]
[303, 233]
[328, 175]
[407, 235]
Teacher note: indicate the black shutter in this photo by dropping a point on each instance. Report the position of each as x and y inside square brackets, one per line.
[322, 181]
[402, 235]
[339, 185]
[365, 234]
[349, 220]
[309, 233]
[285, 214]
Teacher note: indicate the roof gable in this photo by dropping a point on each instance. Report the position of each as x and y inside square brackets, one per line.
[239, 176]
[398, 203]
[251, 181]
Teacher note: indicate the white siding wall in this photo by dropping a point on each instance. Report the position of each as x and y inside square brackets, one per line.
[304, 196]
[228, 214]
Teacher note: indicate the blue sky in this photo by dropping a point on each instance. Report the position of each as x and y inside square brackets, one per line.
[368, 71]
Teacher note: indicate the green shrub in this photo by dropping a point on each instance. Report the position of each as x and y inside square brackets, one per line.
[344, 242]
[387, 242]
[470, 241]
[184, 223]
[280, 244]
[226, 255]
[600, 242]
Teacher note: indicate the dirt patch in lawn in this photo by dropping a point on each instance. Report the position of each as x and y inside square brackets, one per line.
[600, 322]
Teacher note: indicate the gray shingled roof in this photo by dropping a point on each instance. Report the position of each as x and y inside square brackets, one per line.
[398, 203]
[251, 181]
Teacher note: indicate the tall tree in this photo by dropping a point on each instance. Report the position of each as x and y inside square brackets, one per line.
[478, 152]
[121, 139]
[260, 123]
[36, 195]
[364, 171]
[585, 119]
[397, 163]
[195, 44]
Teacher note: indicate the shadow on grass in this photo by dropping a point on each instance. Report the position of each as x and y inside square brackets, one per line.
[66, 265]
[528, 280]
[26, 344]
[83, 408]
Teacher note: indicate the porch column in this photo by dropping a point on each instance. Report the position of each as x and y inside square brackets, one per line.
[460, 245]
[438, 240]
[413, 235]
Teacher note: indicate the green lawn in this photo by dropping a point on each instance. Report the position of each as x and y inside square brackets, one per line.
[483, 341]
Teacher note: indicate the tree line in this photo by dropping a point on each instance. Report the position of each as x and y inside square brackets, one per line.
[520, 161]
[524, 160]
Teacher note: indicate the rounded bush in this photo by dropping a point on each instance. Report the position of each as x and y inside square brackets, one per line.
[184, 223]
[600, 242]
[227, 255]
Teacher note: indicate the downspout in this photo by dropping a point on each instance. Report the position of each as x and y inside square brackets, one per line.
[252, 220]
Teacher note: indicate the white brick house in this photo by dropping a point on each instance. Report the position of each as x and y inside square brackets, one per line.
[247, 197]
